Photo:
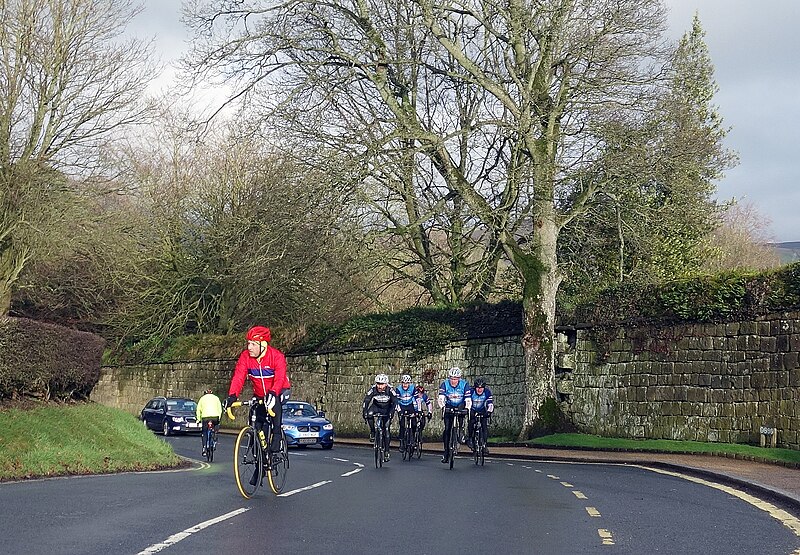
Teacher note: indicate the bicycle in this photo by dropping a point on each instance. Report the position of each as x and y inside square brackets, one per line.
[456, 431]
[409, 441]
[209, 440]
[252, 458]
[379, 443]
[418, 434]
[479, 438]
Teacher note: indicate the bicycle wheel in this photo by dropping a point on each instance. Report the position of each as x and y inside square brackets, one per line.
[453, 445]
[210, 451]
[418, 442]
[408, 440]
[378, 447]
[278, 467]
[248, 465]
[476, 445]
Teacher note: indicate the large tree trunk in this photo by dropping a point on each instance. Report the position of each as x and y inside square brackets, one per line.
[541, 280]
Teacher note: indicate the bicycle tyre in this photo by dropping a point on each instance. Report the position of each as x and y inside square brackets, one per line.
[453, 444]
[247, 462]
[378, 446]
[278, 467]
[408, 441]
[476, 445]
[418, 447]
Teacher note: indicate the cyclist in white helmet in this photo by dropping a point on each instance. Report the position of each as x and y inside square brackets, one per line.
[408, 401]
[380, 399]
[454, 399]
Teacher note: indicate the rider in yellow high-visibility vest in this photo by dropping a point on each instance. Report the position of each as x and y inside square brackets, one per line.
[209, 408]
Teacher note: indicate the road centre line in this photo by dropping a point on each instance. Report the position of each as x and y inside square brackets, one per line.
[312, 486]
[579, 494]
[788, 520]
[567, 485]
[356, 471]
[606, 536]
[175, 538]
[592, 511]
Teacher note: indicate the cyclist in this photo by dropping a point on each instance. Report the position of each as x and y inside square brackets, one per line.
[265, 366]
[208, 409]
[380, 399]
[482, 402]
[426, 402]
[407, 402]
[454, 394]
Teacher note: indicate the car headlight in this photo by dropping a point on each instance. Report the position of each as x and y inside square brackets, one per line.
[177, 418]
[327, 427]
[288, 427]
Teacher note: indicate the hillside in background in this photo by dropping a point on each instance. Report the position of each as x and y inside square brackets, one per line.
[788, 251]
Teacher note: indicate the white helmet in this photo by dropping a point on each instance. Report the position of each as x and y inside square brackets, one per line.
[454, 372]
[405, 378]
[381, 378]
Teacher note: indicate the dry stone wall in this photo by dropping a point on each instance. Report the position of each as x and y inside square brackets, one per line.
[336, 381]
[704, 382]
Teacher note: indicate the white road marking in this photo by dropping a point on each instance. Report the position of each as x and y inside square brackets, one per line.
[579, 494]
[340, 460]
[566, 484]
[356, 471]
[175, 538]
[312, 486]
[592, 511]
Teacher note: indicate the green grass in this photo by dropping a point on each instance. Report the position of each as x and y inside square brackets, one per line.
[663, 445]
[56, 440]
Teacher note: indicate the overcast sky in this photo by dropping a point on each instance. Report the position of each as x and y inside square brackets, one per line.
[755, 49]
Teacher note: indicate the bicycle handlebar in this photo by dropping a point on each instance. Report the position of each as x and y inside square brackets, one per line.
[246, 404]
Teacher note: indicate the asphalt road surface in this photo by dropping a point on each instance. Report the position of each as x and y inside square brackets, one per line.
[337, 502]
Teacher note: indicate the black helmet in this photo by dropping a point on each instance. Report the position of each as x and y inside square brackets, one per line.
[480, 382]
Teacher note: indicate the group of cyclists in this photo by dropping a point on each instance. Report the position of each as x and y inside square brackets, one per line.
[265, 367]
[455, 397]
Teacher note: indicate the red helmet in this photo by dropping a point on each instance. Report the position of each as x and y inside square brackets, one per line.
[259, 333]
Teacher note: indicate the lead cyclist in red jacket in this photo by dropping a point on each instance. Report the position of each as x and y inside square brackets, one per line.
[265, 366]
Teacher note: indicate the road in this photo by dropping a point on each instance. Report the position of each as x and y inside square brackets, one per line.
[337, 502]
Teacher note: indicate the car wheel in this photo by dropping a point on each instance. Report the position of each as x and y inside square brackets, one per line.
[327, 446]
[166, 428]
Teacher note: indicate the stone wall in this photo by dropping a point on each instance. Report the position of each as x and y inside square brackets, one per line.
[703, 382]
[336, 382]
[709, 382]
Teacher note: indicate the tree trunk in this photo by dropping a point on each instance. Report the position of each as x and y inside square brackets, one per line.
[541, 278]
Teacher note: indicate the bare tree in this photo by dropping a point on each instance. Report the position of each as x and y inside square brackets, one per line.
[69, 85]
[742, 241]
[552, 73]
[233, 233]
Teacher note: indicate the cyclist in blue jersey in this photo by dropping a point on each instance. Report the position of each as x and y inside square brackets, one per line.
[454, 394]
[425, 402]
[407, 402]
[482, 402]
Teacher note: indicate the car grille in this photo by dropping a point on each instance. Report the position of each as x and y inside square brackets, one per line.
[309, 428]
[191, 419]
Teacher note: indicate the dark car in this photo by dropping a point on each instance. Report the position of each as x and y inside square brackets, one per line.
[304, 425]
[171, 415]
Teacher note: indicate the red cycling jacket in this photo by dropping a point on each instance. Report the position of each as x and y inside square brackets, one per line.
[267, 374]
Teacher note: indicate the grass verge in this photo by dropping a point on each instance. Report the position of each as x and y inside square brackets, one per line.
[582, 441]
[57, 440]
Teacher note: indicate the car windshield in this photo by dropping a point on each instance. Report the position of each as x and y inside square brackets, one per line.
[299, 410]
[181, 405]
